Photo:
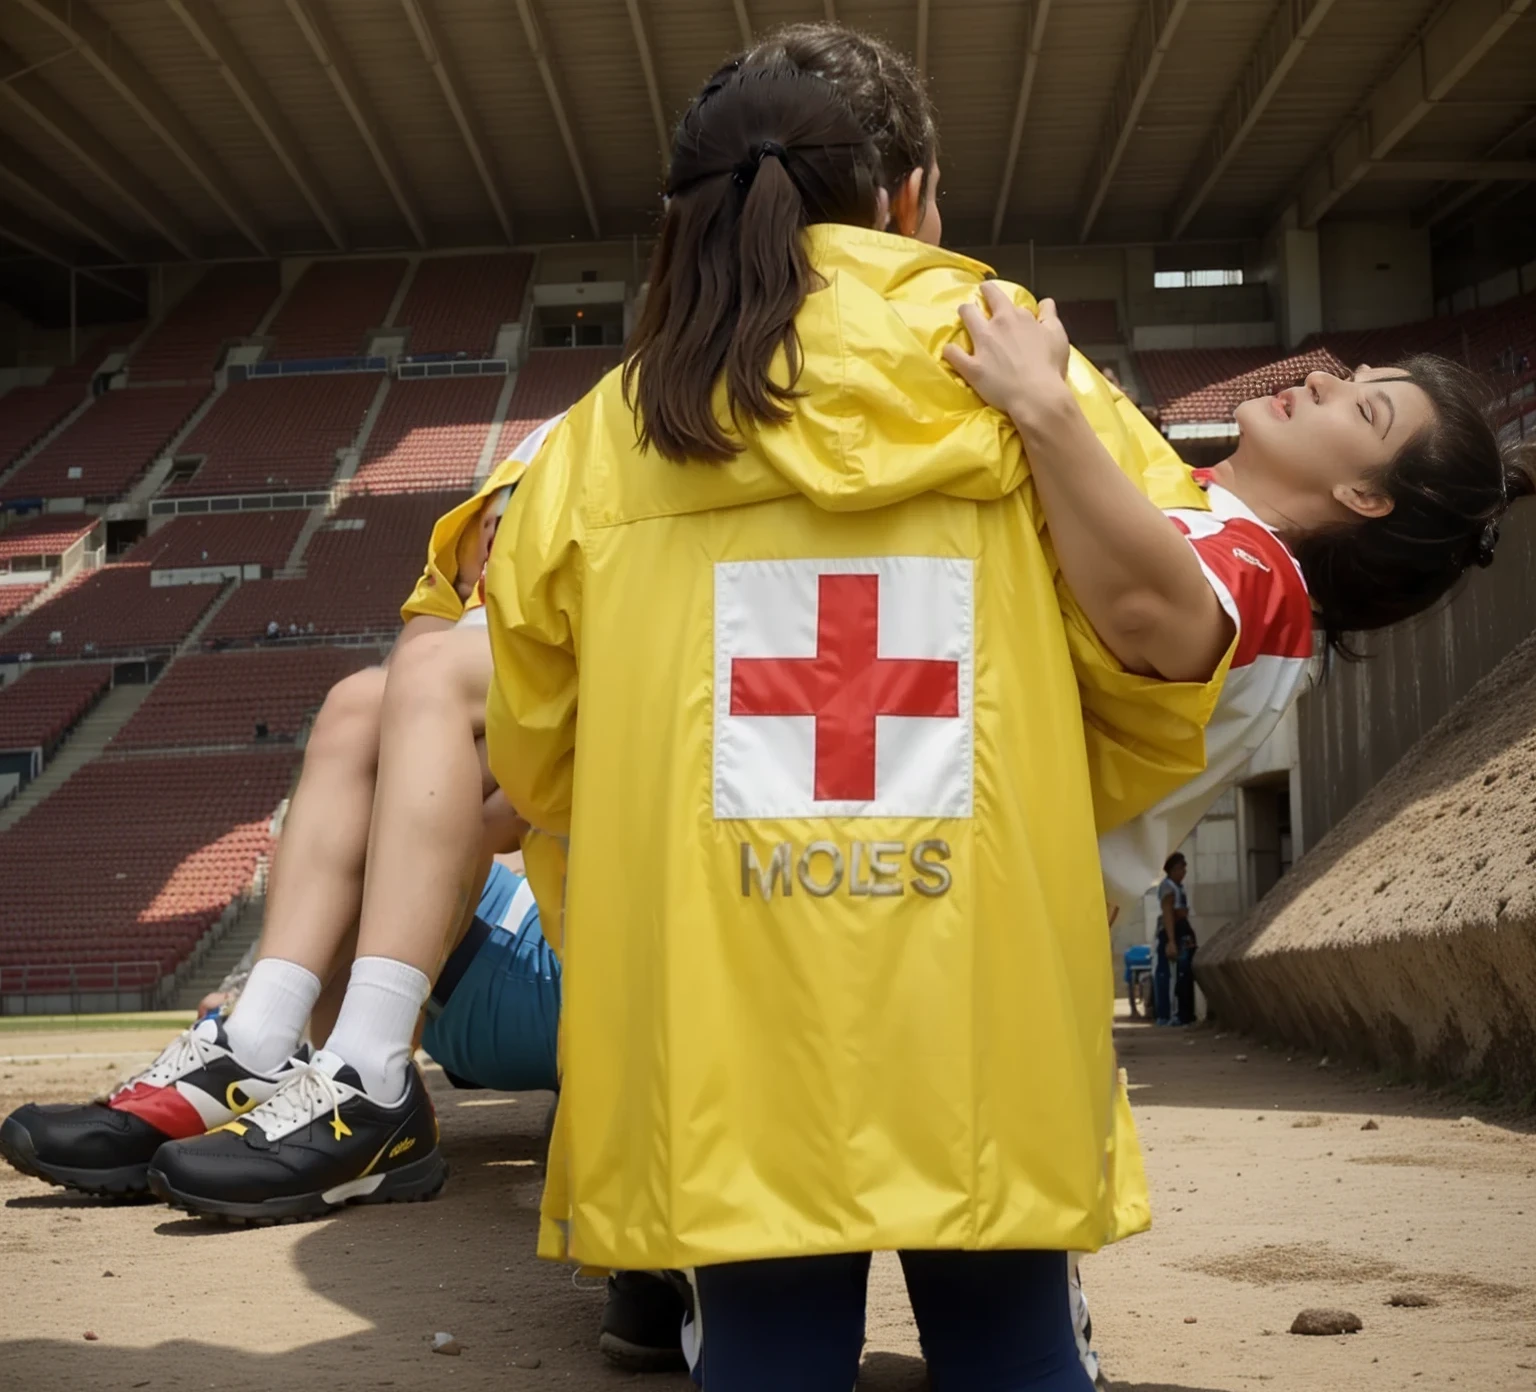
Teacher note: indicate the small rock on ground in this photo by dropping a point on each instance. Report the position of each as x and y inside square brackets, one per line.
[1410, 1300]
[1371, 1125]
[1326, 1322]
[445, 1343]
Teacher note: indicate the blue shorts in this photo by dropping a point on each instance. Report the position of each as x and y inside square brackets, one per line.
[494, 1014]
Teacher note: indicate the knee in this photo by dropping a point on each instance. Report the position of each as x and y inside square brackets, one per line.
[348, 723]
[442, 672]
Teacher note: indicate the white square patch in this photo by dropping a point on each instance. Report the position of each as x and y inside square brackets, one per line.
[843, 687]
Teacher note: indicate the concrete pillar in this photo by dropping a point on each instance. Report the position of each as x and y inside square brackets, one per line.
[1298, 284]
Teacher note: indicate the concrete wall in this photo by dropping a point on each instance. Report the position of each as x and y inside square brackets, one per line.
[1374, 273]
[1364, 716]
[1407, 938]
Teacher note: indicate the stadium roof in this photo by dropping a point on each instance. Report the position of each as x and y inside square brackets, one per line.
[154, 130]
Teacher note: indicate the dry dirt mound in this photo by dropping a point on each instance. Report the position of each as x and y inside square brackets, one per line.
[1407, 937]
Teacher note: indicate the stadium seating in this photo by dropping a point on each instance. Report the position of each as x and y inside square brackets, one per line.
[550, 381]
[110, 612]
[356, 576]
[277, 435]
[221, 538]
[134, 859]
[38, 709]
[227, 303]
[29, 413]
[1199, 385]
[108, 447]
[44, 537]
[97, 345]
[329, 313]
[429, 435]
[14, 598]
[207, 699]
[456, 303]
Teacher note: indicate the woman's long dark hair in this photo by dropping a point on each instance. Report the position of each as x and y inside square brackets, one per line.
[1450, 486]
[766, 149]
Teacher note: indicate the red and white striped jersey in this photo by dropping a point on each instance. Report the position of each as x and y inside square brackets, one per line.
[1260, 585]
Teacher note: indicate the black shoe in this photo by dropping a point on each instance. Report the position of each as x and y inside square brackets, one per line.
[643, 1323]
[104, 1148]
[317, 1143]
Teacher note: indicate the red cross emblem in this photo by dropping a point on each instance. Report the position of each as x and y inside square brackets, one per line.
[845, 686]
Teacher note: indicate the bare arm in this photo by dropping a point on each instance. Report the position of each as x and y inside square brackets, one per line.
[1137, 579]
[1170, 926]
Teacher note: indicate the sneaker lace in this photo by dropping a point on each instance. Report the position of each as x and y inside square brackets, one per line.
[188, 1051]
[307, 1093]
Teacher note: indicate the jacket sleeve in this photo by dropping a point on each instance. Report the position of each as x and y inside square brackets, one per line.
[533, 587]
[1145, 736]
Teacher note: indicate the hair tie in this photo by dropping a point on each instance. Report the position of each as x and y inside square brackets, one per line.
[746, 171]
[1486, 541]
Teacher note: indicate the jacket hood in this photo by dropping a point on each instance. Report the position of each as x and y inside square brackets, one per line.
[881, 417]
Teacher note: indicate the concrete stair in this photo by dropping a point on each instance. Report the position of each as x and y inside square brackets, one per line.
[223, 956]
[112, 712]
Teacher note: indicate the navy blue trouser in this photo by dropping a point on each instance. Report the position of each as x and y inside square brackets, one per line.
[988, 1321]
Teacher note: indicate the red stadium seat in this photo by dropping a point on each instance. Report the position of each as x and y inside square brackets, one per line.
[429, 435]
[38, 708]
[226, 304]
[207, 700]
[457, 303]
[329, 313]
[221, 538]
[113, 611]
[101, 454]
[277, 435]
[551, 380]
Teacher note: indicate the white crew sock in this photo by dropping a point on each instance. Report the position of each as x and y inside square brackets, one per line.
[377, 1023]
[269, 1017]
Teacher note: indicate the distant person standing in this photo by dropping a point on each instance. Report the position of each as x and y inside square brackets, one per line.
[1175, 948]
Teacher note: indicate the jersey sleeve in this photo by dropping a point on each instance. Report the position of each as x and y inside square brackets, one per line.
[1257, 583]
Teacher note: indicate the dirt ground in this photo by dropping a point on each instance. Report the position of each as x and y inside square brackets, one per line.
[1269, 1197]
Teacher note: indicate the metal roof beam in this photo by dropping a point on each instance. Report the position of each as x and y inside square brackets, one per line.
[46, 188]
[743, 22]
[207, 27]
[30, 95]
[434, 49]
[1445, 52]
[540, 50]
[16, 226]
[1155, 28]
[1454, 171]
[1287, 34]
[333, 58]
[1450, 200]
[1037, 19]
[96, 42]
[652, 87]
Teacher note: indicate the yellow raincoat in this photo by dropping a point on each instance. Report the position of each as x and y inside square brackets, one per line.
[800, 1019]
[435, 593]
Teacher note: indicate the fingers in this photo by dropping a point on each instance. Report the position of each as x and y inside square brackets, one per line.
[959, 359]
[1047, 312]
[999, 301]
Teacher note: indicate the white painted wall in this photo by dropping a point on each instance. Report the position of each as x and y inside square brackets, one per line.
[1374, 273]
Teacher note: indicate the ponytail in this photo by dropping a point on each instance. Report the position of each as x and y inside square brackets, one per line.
[766, 149]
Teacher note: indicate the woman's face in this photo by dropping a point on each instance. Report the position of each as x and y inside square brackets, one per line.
[1330, 436]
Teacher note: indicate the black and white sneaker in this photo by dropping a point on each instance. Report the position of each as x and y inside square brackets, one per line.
[318, 1142]
[104, 1147]
[642, 1328]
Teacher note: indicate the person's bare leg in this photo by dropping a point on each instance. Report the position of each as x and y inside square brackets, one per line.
[424, 870]
[428, 806]
[315, 893]
[316, 889]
